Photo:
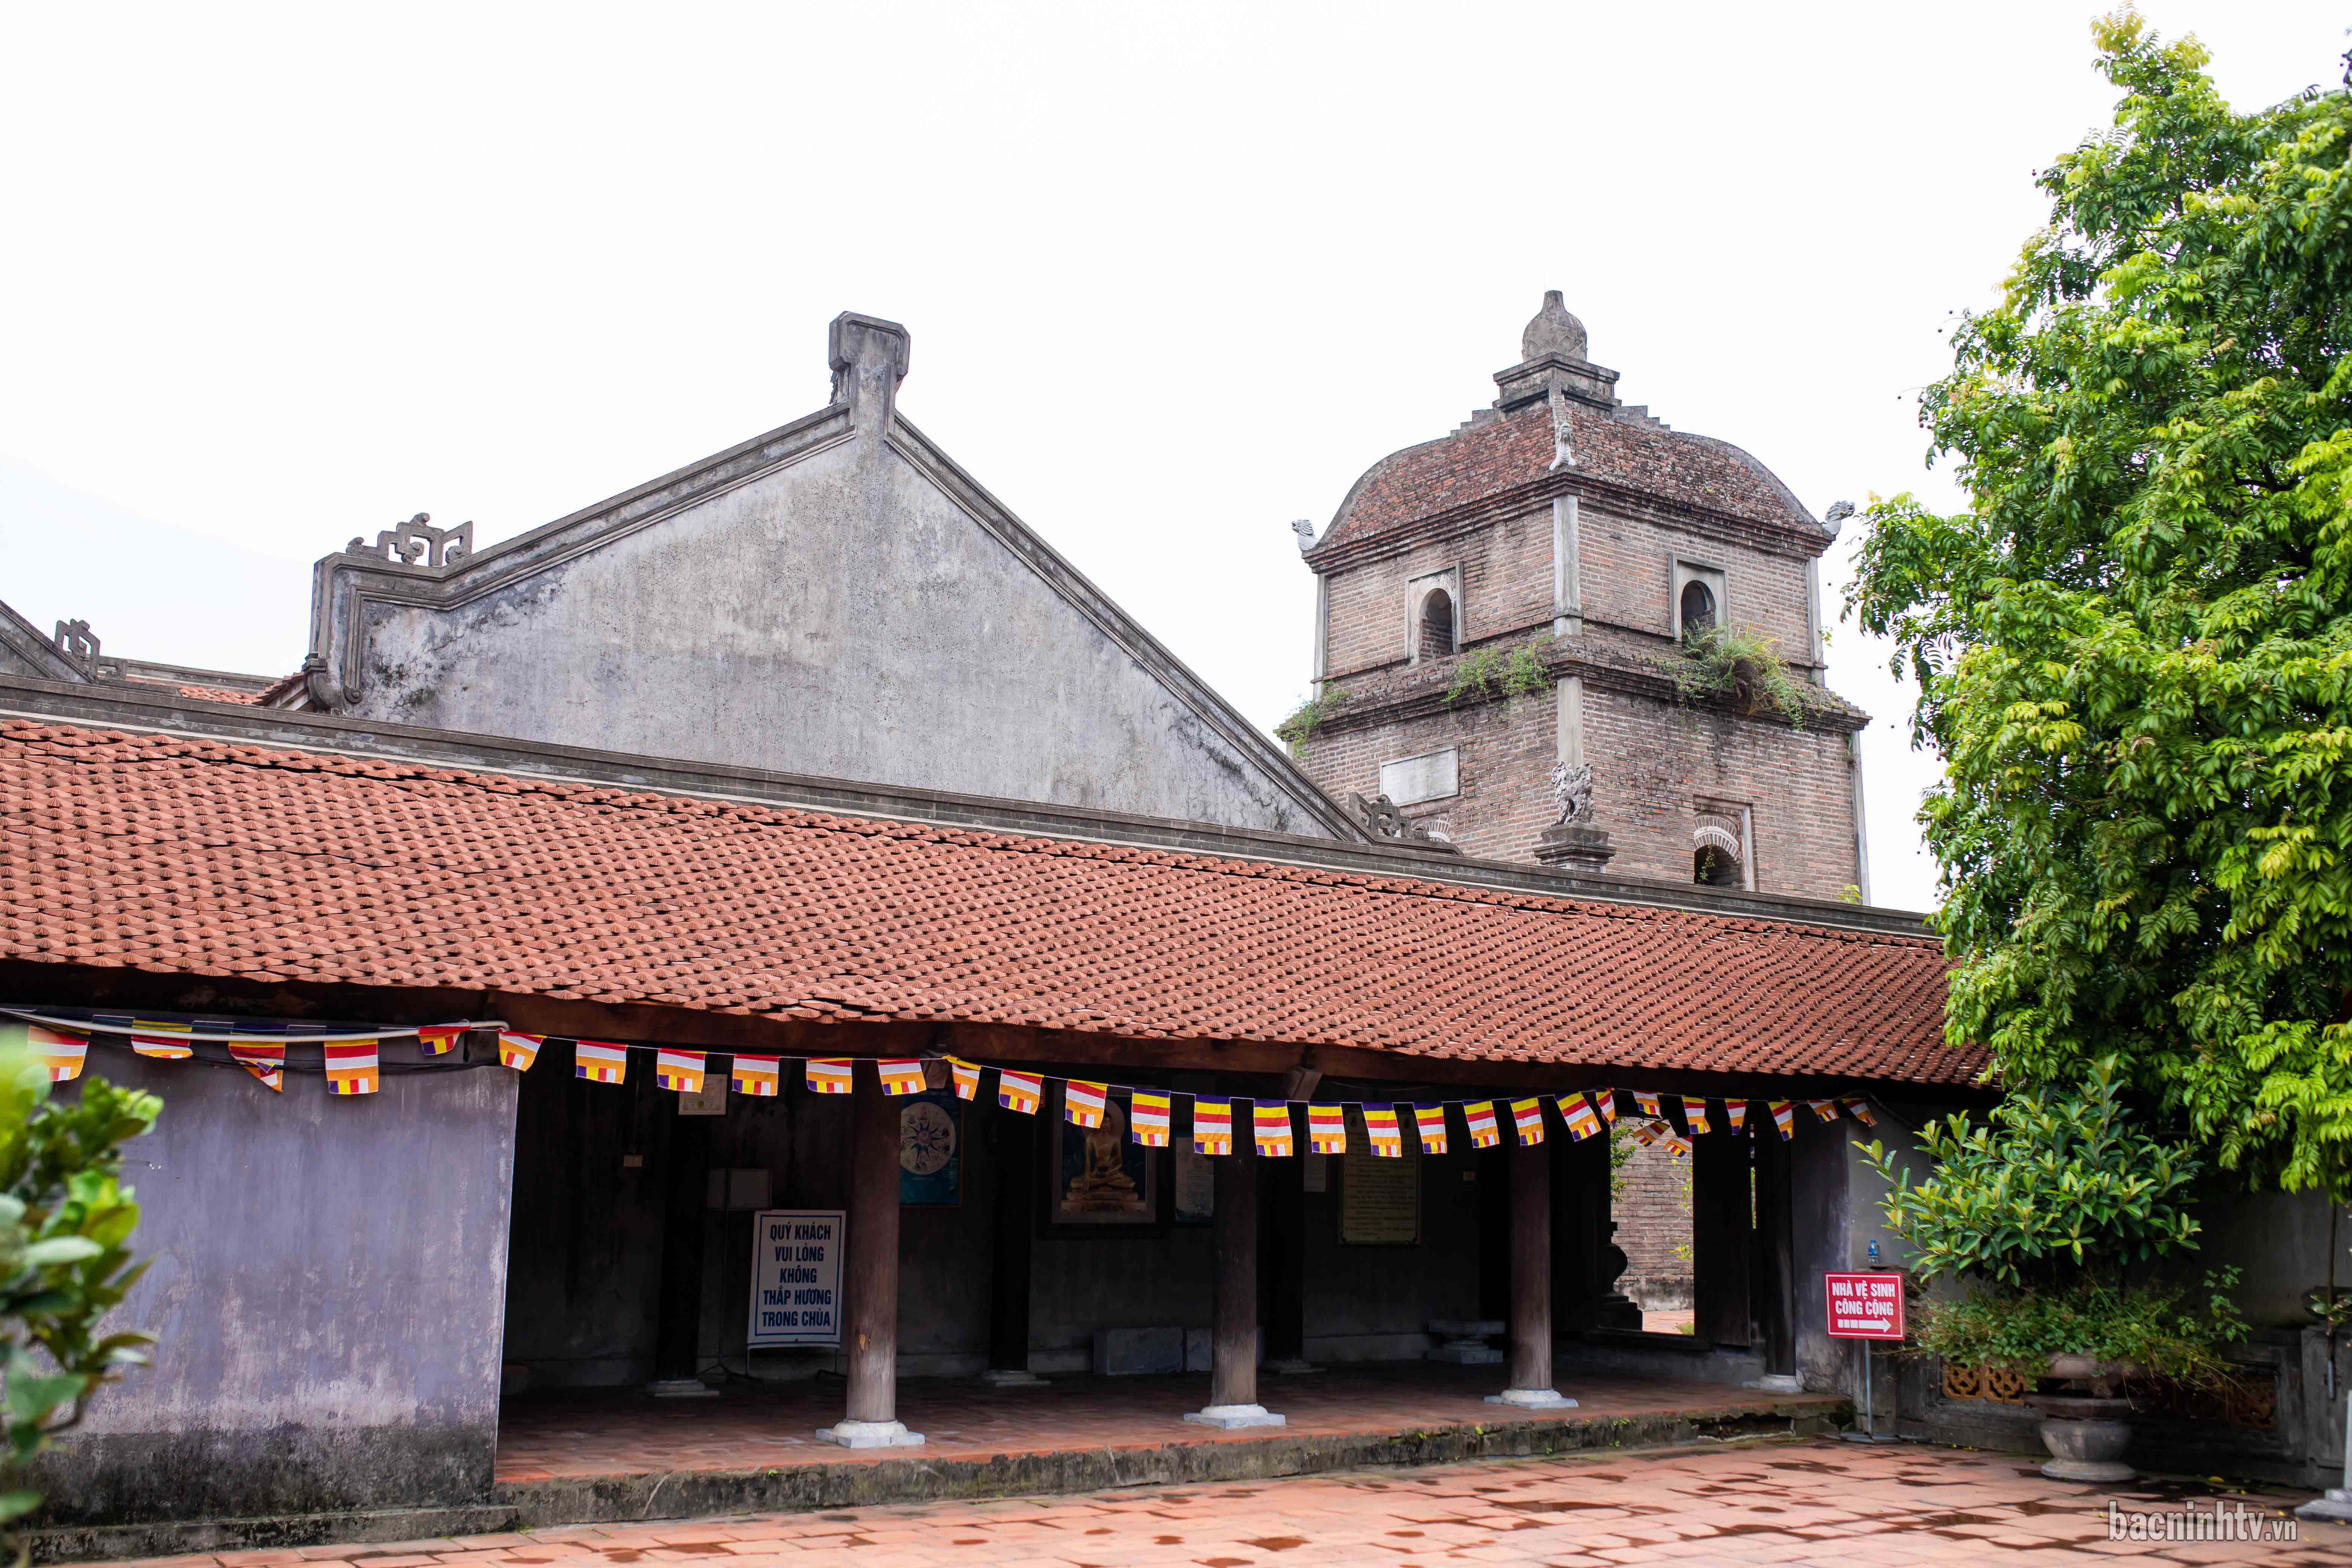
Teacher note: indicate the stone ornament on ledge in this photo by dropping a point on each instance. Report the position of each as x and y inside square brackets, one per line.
[417, 542]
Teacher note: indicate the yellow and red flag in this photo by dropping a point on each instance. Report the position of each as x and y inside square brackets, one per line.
[1824, 1108]
[1326, 1129]
[1735, 1111]
[1019, 1091]
[967, 1078]
[167, 1042]
[265, 1060]
[900, 1075]
[1605, 1102]
[440, 1039]
[1695, 1115]
[1784, 1118]
[1581, 1122]
[61, 1051]
[1212, 1126]
[1480, 1114]
[519, 1051]
[1429, 1122]
[756, 1076]
[1860, 1109]
[1147, 1119]
[1527, 1119]
[350, 1067]
[1648, 1102]
[600, 1061]
[1272, 1123]
[829, 1075]
[1381, 1126]
[1082, 1102]
[680, 1070]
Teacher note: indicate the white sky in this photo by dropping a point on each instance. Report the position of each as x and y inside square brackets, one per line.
[1176, 274]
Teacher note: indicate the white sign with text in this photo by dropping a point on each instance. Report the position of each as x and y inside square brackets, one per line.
[796, 1277]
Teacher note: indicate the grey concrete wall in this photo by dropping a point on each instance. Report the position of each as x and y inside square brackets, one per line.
[841, 615]
[326, 1287]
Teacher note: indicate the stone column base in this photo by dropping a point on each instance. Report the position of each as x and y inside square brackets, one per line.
[870, 1435]
[1011, 1377]
[1532, 1399]
[1575, 848]
[681, 1388]
[1225, 1417]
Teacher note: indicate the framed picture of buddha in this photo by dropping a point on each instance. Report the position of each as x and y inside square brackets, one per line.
[1100, 1178]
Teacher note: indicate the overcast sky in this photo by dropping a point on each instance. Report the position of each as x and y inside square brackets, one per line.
[1176, 274]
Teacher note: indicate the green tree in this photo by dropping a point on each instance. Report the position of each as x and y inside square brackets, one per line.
[2134, 649]
[66, 1221]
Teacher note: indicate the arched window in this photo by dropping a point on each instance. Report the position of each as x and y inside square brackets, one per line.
[1714, 854]
[1698, 607]
[1436, 624]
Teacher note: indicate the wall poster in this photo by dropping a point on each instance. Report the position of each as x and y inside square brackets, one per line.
[1380, 1200]
[1194, 1183]
[930, 1149]
[1097, 1177]
[796, 1257]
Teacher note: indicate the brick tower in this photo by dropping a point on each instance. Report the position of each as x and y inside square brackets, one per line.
[1567, 633]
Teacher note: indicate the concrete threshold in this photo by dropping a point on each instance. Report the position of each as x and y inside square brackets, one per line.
[919, 1478]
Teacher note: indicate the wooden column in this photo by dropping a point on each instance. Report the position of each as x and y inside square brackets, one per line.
[1721, 1199]
[870, 1320]
[678, 1329]
[1233, 1323]
[1013, 1140]
[1531, 1266]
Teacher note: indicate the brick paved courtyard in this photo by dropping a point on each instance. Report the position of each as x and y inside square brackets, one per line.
[1785, 1502]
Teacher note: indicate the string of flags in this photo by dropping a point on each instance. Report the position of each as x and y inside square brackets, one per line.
[352, 1066]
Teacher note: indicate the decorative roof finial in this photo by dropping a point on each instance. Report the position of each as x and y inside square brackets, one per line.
[1553, 331]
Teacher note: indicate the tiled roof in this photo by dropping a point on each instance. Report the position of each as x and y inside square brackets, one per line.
[1516, 449]
[220, 694]
[191, 856]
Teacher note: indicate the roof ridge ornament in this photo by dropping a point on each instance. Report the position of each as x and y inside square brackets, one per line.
[79, 644]
[868, 357]
[417, 542]
[1554, 331]
[1553, 364]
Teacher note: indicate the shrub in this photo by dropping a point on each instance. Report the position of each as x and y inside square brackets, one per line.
[1742, 666]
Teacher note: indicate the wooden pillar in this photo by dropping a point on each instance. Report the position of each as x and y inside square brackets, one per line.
[870, 1320]
[1775, 1252]
[1013, 1140]
[1721, 1200]
[1233, 1323]
[678, 1329]
[1531, 1266]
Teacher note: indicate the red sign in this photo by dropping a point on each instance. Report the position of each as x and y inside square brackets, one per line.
[1865, 1306]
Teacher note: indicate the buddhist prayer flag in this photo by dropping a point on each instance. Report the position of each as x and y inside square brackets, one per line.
[600, 1061]
[1676, 1147]
[967, 1078]
[1273, 1126]
[1429, 1122]
[61, 1052]
[1784, 1117]
[1019, 1091]
[350, 1067]
[1735, 1111]
[1526, 1116]
[1648, 1133]
[167, 1041]
[1605, 1102]
[680, 1070]
[1212, 1126]
[1082, 1101]
[265, 1060]
[440, 1039]
[1147, 1119]
[1480, 1114]
[760, 1076]
[1648, 1102]
[829, 1075]
[1695, 1115]
[900, 1075]
[1381, 1126]
[1824, 1108]
[519, 1051]
[1861, 1111]
[1326, 1129]
[1581, 1122]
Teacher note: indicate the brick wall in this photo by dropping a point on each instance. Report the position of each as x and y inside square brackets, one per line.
[1654, 1216]
[1627, 580]
[1505, 572]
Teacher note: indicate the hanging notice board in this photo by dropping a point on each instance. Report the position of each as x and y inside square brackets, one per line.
[796, 1257]
[1379, 1199]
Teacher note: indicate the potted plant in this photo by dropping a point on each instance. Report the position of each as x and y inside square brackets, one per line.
[2040, 1212]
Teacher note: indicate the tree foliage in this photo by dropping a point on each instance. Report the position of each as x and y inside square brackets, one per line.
[2134, 648]
[66, 1221]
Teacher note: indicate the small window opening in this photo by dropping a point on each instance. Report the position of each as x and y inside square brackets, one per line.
[1698, 610]
[1715, 854]
[1437, 623]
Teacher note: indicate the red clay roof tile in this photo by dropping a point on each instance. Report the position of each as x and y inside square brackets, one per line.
[188, 856]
